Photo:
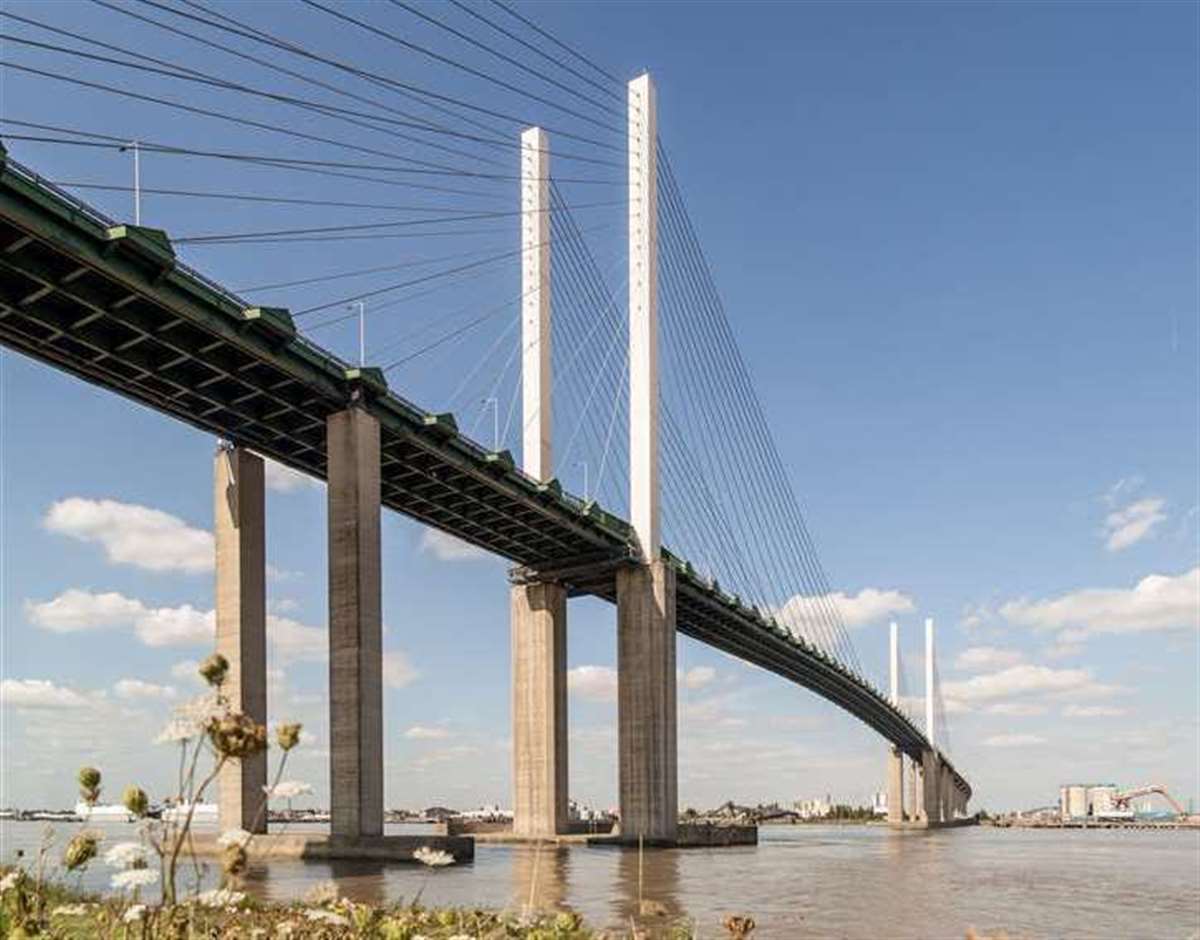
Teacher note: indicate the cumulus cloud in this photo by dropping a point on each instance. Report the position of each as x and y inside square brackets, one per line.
[137, 690]
[1157, 602]
[187, 669]
[1013, 740]
[76, 611]
[397, 670]
[1017, 709]
[40, 694]
[594, 683]
[133, 535]
[870, 605]
[426, 733]
[1092, 711]
[293, 640]
[283, 479]
[987, 657]
[445, 547]
[1025, 679]
[1130, 524]
[697, 677]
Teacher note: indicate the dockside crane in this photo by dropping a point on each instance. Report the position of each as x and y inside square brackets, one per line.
[1121, 800]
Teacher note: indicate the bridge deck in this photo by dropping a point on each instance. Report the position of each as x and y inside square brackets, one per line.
[110, 304]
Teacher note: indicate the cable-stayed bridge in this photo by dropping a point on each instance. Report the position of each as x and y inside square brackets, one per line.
[620, 374]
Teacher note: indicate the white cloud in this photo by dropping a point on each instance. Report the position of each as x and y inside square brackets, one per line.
[294, 640]
[1157, 602]
[869, 605]
[176, 626]
[397, 670]
[76, 611]
[426, 733]
[187, 669]
[136, 689]
[1092, 711]
[1013, 740]
[1017, 709]
[987, 657]
[445, 547]
[283, 479]
[1128, 526]
[1024, 680]
[39, 693]
[698, 676]
[133, 535]
[594, 683]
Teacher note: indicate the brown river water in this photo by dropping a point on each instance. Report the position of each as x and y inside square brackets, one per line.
[853, 882]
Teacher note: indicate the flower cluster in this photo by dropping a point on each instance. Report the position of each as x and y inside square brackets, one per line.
[236, 735]
[287, 735]
[126, 855]
[80, 850]
[136, 801]
[89, 785]
[214, 670]
[134, 878]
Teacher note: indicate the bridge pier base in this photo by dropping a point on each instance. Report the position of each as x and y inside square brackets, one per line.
[646, 719]
[895, 786]
[239, 523]
[539, 710]
[931, 780]
[914, 777]
[355, 625]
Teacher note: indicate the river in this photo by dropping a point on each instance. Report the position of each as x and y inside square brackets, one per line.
[853, 882]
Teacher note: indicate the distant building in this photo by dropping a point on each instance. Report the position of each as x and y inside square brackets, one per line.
[439, 813]
[492, 813]
[1089, 801]
[815, 808]
[879, 803]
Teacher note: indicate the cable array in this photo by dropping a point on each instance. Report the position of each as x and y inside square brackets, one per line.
[263, 141]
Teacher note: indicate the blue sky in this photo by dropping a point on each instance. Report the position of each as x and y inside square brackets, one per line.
[958, 246]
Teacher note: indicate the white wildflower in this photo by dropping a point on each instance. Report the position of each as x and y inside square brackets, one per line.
[11, 880]
[434, 858]
[135, 913]
[126, 855]
[220, 897]
[231, 837]
[287, 790]
[134, 878]
[189, 719]
[326, 917]
[69, 910]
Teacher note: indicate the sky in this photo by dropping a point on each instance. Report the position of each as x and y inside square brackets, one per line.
[958, 247]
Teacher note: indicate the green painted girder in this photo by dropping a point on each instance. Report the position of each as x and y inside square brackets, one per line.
[112, 305]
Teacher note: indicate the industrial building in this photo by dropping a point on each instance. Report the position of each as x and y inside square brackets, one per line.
[1091, 801]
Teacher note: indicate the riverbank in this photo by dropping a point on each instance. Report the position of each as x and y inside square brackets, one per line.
[29, 909]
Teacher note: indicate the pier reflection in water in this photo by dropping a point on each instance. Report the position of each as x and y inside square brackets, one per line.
[799, 882]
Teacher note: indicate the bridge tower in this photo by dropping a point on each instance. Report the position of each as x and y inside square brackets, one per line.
[895, 761]
[538, 608]
[648, 784]
[931, 766]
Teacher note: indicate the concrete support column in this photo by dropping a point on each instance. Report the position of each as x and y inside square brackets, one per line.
[539, 709]
[931, 779]
[355, 628]
[648, 784]
[895, 786]
[239, 532]
[947, 794]
[914, 779]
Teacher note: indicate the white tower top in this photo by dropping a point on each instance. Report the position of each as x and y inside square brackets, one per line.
[535, 304]
[643, 317]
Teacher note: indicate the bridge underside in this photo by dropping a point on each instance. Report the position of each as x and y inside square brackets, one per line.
[111, 305]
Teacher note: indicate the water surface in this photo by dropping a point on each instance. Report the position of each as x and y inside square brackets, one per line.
[853, 882]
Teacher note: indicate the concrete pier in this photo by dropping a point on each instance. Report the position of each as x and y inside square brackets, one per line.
[355, 627]
[646, 728]
[539, 710]
[931, 781]
[914, 780]
[895, 786]
[239, 521]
